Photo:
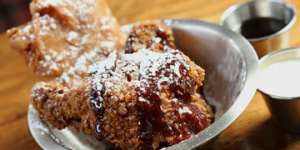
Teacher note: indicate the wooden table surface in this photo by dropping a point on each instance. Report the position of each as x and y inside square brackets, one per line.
[254, 129]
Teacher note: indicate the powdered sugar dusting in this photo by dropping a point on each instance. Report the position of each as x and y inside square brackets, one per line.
[160, 82]
[66, 36]
[161, 68]
[184, 110]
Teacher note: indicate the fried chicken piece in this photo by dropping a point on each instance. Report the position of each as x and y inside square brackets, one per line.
[145, 98]
[61, 106]
[66, 37]
[142, 98]
[149, 35]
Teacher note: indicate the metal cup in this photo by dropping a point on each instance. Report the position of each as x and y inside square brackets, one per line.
[285, 110]
[237, 14]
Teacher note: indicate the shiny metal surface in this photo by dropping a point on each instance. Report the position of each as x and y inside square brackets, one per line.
[236, 15]
[286, 110]
[230, 63]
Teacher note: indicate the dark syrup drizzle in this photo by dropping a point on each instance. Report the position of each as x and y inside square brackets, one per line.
[151, 115]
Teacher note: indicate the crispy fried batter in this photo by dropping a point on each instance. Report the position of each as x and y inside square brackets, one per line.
[140, 99]
[67, 36]
[61, 106]
[144, 97]
[149, 36]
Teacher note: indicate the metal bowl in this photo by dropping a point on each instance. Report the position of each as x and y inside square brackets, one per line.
[230, 63]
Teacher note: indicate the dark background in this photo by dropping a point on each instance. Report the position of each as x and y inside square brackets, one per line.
[13, 13]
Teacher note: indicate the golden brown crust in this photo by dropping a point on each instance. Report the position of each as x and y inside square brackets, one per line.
[62, 107]
[152, 35]
[142, 98]
[119, 123]
[135, 100]
[64, 33]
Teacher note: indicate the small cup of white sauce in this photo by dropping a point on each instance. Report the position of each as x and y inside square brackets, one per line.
[279, 81]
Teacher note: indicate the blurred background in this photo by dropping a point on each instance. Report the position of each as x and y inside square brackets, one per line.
[13, 12]
[16, 12]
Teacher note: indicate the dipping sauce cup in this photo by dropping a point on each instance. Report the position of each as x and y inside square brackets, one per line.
[265, 23]
[279, 81]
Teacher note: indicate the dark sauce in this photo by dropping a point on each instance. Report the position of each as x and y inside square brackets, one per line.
[261, 27]
[96, 103]
[152, 117]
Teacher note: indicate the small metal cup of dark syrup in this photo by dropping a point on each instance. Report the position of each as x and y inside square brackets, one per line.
[265, 23]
